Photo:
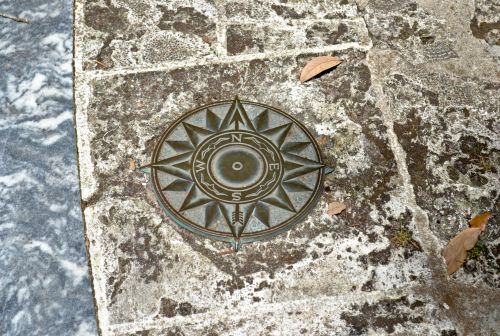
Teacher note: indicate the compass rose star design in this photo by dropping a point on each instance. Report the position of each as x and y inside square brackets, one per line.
[237, 171]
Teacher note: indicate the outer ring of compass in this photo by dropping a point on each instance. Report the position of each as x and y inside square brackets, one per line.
[223, 236]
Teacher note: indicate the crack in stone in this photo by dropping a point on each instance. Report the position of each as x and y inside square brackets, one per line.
[258, 309]
[429, 241]
[172, 65]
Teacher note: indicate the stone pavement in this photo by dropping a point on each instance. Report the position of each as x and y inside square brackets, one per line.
[411, 123]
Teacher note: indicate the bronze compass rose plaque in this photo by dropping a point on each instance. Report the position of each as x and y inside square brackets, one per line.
[237, 171]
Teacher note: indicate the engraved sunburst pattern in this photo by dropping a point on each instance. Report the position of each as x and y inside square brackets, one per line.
[237, 171]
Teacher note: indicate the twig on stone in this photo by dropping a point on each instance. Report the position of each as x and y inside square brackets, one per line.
[101, 64]
[14, 18]
[105, 134]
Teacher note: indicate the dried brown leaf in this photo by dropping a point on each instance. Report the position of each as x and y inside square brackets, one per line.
[480, 220]
[456, 251]
[317, 65]
[334, 208]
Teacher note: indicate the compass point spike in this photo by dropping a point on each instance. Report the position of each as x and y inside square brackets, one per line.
[146, 169]
[174, 165]
[294, 146]
[236, 245]
[178, 185]
[289, 165]
[300, 165]
[212, 213]
[261, 212]
[226, 214]
[261, 121]
[174, 171]
[236, 117]
[212, 121]
[296, 186]
[279, 198]
[193, 199]
[195, 133]
[184, 165]
[299, 172]
[278, 134]
[180, 146]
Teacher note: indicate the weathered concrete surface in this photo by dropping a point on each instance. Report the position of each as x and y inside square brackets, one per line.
[410, 120]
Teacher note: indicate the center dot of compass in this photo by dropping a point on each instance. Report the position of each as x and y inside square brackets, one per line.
[237, 167]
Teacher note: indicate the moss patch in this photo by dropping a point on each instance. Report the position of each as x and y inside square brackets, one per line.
[476, 251]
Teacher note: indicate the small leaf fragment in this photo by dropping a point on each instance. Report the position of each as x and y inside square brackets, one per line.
[455, 252]
[132, 165]
[317, 65]
[334, 208]
[480, 220]
[322, 140]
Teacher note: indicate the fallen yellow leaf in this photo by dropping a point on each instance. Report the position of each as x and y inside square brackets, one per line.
[334, 208]
[456, 251]
[480, 220]
[317, 65]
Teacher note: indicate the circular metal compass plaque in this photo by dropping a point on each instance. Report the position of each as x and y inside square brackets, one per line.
[237, 171]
